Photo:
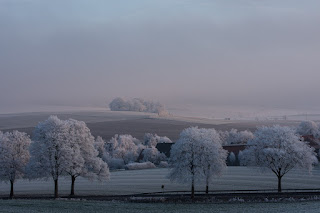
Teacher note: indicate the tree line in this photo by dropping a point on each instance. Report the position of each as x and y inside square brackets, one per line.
[198, 155]
[66, 147]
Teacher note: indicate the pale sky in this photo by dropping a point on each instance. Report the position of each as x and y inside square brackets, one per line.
[84, 53]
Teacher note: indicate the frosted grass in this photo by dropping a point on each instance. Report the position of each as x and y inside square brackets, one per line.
[151, 180]
[28, 206]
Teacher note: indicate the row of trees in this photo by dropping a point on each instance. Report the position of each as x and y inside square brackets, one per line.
[123, 149]
[66, 147]
[198, 154]
[57, 148]
[232, 137]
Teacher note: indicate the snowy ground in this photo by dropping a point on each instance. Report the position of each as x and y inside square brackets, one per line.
[114, 207]
[150, 180]
[139, 181]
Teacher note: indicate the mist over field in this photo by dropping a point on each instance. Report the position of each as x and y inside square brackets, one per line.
[202, 58]
[159, 105]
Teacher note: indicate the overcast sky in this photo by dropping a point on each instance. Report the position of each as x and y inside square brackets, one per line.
[84, 53]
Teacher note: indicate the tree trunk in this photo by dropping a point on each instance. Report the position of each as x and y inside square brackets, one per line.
[279, 184]
[207, 186]
[192, 190]
[56, 195]
[73, 179]
[11, 189]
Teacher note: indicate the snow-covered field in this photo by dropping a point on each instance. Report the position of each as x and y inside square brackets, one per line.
[150, 180]
[99, 206]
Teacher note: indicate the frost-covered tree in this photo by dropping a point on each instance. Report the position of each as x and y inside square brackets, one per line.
[213, 157]
[83, 158]
[194, 156]
[14, 156]
[164, 139]
[153, 155]
[280, 150]
[119, 104]
[100, 146]
[240, 157]
[138, 105]
[232, 158]
[65, 147]
[306, 128]
[235, 137]
[49, 152]
[151, 140]
[241, 137]
[223, 136]
[124, 147]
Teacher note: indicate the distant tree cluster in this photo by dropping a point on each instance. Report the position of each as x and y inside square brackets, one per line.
[309, 128]
[144, 165]
[137, 105]
[235, 137]
[151, 140]
[124, 149]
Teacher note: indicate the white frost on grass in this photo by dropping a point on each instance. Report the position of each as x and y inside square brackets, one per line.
[128, 182]
[144, 165]
[98, 206]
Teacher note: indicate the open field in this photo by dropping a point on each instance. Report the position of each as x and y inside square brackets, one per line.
[27, 206]
[150, 180]
[140, 181]
[31, 119]
[107, 123]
